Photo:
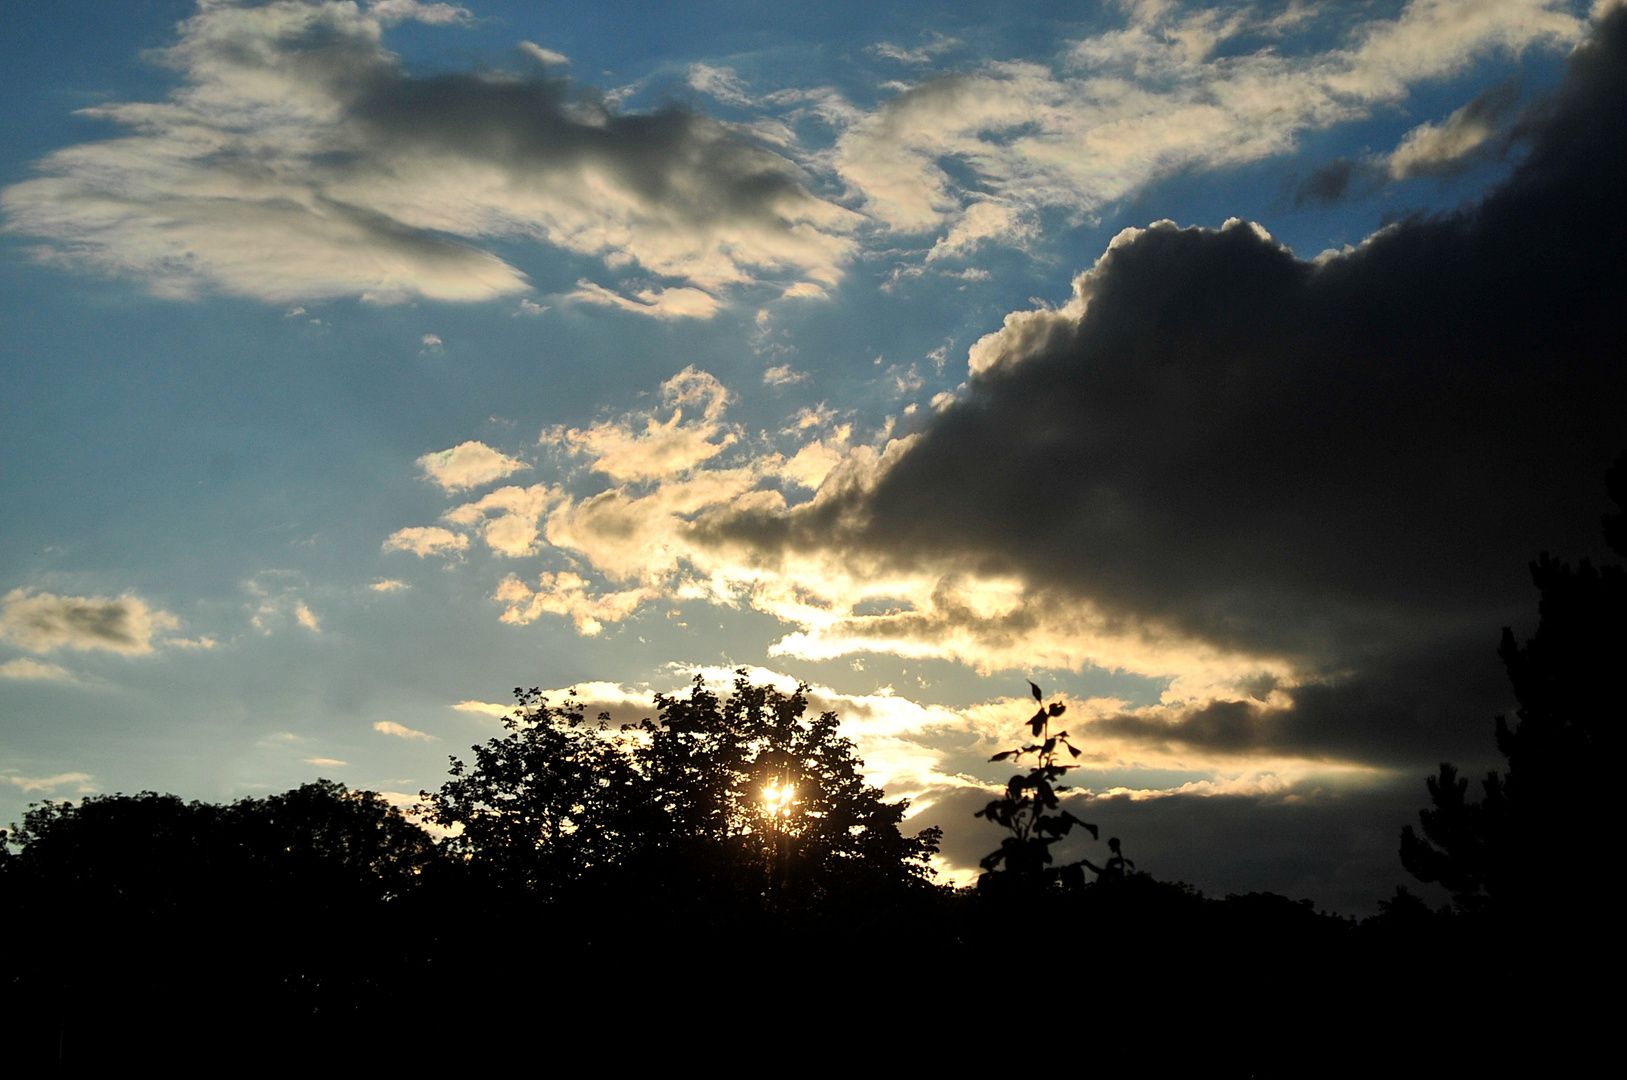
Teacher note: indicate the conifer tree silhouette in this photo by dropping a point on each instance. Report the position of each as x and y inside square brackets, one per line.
[1549, 806]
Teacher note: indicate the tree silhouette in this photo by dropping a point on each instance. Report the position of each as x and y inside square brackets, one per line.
[743, 800]
[1541, 821]
[155, 924]
[542, 807]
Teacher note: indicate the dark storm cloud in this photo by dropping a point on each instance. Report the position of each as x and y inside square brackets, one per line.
[1348, 461]
[1277, 453]
[1400, 710]
[1337, 847]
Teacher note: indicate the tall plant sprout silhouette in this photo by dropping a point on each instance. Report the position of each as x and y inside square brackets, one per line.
[1031, 809]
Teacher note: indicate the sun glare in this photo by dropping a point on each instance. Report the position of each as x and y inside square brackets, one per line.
[778, 799]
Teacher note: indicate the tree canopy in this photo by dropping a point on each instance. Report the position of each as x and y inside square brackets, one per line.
[716, 802]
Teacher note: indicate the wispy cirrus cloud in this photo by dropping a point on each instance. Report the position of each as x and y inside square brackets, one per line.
[82, 783]
[1173, 88]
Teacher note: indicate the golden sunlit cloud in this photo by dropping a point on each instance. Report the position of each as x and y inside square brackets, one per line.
[467, 465]
[43, 622]
[682, 520]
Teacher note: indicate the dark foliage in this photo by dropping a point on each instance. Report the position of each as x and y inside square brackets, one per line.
[135, 918]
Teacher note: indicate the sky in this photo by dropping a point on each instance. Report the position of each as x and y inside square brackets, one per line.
[1220, 368]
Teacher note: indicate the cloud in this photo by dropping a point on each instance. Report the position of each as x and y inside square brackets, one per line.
[299, 159]
[1332, 182]
[1472, 133]
[1228, 464]
[1298, 494]
[507, 518]
[81, 782]
[468, 465]
[719, 82]
[389, 585]
[42, 622]
[425, 540]
[24, 668]
[924, 54]
[681, 303]
[566, 593]
[324, 761]
[1430, 149]
[1172, 89]
[401, 731]
[306, 617]
[485, 708]
[622, 451]
[393, 11]
[784, 375]
[545, 57]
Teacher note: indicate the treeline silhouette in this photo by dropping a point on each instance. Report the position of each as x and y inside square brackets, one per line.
[724, 862]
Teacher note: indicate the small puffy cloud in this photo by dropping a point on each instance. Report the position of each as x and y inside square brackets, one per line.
[424, 540]
[805, 290]
[43, 622]
[389, 585]
[784, 375]
[508, 517]
[401, 731]
[694, 433]
[1431, 149]
[529, 307]
[324, 761]
[545, 57]
[485, 708]
[432, 341]
[24, 668]
[81, 782]
[468, 465]
[567, 594]
[306, 617]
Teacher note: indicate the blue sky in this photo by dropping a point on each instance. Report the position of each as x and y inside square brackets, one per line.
[364, 361]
